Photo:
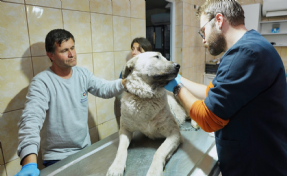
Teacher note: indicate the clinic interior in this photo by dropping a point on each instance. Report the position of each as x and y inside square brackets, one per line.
[103, 31]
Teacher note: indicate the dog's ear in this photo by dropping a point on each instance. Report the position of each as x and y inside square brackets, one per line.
[129, 67]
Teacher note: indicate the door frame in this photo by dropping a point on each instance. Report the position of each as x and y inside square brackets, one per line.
[172, 29]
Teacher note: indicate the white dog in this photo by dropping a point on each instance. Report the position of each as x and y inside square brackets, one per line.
[144, 107]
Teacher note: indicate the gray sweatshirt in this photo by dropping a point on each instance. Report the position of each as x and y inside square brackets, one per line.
[63, 105]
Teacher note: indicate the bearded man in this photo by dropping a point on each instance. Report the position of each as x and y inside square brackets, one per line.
[246, 103]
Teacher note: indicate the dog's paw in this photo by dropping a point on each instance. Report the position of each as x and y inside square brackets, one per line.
[115, 170]
[195, 125]
[154, 172]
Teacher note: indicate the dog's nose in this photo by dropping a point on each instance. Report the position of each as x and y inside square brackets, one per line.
[176, 65]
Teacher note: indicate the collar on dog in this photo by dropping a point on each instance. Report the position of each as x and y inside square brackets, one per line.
[177, 88]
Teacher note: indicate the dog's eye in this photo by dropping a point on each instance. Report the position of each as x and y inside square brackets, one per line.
[157, 57]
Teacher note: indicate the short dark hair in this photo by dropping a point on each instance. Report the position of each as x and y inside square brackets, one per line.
[230, 9]
[143, 43]
[56, 35]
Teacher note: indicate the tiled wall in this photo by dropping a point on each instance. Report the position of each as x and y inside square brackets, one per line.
[103, 30]
[189, 50]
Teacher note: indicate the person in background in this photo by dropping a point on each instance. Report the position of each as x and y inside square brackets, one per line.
[60, 93]
[246, 103]
[138, 45]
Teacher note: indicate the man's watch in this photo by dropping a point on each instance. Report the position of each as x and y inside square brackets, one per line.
[177, 88]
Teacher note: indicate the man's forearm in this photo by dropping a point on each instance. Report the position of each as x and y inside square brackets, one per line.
[186, 98]
[31, 158]
[197, 90]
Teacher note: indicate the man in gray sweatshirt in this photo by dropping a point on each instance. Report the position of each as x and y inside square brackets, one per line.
[59, 96]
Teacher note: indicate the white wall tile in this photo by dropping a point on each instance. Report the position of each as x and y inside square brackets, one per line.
[14, 40]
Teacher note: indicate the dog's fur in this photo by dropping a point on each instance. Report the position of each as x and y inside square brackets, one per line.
[144, 107]
[175, 107]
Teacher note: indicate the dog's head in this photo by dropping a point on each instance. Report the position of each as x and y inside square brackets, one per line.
[149, 72]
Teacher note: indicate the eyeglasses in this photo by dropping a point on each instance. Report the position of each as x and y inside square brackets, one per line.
[202, 32]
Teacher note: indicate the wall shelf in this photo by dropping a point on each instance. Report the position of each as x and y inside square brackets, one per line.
[279, 21]
[279, 45]
[285, 33]
[279, 38]
[252, 14]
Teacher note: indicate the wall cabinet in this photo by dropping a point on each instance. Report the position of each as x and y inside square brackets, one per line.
[252, 15]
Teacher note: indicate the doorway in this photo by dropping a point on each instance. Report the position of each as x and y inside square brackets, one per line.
[159, 26]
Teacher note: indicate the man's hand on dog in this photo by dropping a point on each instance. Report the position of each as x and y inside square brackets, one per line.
[124, 81]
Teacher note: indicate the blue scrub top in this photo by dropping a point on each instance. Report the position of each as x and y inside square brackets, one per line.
[250, 90]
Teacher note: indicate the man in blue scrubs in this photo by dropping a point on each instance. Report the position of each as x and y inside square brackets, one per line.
[246, 103]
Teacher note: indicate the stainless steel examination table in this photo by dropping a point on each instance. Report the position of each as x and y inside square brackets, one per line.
[196, 156]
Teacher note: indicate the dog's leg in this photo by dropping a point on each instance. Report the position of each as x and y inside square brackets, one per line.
[194, 124]
[117, 108]
[163, 153]
[119, 164]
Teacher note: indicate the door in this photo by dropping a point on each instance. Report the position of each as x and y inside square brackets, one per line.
[159, 37]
